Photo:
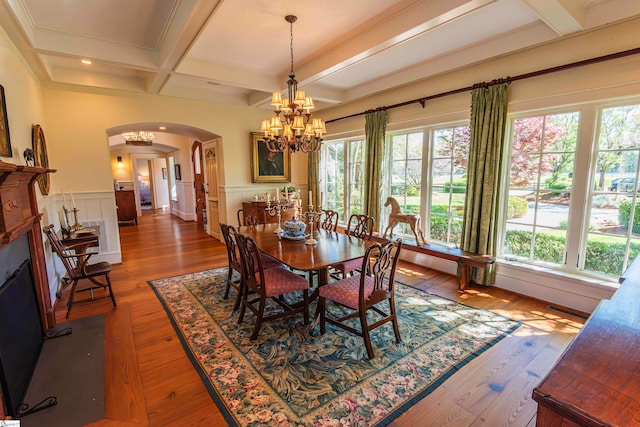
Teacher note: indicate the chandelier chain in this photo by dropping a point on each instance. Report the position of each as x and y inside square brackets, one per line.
[291, 44]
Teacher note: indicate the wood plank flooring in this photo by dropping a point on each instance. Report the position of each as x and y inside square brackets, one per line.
[150, 381]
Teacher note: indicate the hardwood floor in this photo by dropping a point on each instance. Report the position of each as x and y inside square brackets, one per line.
[150, 380]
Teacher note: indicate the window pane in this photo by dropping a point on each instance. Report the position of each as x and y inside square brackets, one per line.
[540, 179]
[406, 177]
[355, 194]
[448, 183]
[613, 233]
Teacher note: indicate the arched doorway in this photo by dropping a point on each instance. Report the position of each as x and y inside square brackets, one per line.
[172, 143]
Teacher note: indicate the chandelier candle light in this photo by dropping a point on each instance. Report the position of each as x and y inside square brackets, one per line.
[300, 132]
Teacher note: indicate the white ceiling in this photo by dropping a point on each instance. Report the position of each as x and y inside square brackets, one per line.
[237, 51]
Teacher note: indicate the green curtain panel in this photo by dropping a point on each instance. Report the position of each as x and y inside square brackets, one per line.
[314, 178]
[375, 129]
[479, 228]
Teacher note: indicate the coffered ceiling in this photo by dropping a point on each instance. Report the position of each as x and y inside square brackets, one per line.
[237, 51]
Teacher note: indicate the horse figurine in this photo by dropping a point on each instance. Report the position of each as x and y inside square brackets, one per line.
[397, 216]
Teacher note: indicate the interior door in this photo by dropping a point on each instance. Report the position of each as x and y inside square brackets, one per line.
[213, 214]
[198, 180]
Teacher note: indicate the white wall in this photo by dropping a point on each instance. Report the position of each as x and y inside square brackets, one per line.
[160, 188]
[24, 109]
[79, 143]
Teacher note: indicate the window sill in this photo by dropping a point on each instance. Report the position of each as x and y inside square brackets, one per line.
[582, 293]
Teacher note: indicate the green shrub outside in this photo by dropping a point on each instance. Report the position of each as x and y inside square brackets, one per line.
[459, 186]
[517, 207]
[438, 229]
[413, 191]
[624, 214]
[413, 209]
[605, 257]
[548, 248]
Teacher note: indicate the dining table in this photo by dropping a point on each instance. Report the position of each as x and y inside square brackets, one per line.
[331, 248]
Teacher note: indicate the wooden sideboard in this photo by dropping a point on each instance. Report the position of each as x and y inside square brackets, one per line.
[126, 204]
[252, 208]
[596, 381]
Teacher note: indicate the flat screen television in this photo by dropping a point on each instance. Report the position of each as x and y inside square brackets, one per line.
[21, 335]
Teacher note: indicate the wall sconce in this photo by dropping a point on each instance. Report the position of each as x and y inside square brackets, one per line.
[119, 161]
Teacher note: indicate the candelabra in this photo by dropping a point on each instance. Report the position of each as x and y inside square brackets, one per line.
[276, 209]
[75, 227]
[312, 218]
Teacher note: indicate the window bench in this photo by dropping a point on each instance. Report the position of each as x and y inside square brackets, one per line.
[465, 260]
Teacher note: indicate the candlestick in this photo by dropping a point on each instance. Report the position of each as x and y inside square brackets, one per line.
[73, 201]
[276, 209]
[64, 198]
[277, 194]
[312, 217]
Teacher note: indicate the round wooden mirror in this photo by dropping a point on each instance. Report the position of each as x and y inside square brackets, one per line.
[41, 158]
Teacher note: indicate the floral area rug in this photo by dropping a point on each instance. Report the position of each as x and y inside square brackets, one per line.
[291, 376]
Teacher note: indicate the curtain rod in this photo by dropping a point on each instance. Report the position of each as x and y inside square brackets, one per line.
[422, 101]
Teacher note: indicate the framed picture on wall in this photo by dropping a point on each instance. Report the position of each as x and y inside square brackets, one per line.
[5, 140]
[178, 172]
[268, 166]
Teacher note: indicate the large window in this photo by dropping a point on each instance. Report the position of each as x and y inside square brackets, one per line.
[598, 232]
[572, 178]
[342, 177]
[425, 179]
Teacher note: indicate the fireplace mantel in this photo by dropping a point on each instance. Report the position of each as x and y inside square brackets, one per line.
[20, 216]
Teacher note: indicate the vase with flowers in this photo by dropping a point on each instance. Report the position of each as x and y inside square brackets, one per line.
[291, 191]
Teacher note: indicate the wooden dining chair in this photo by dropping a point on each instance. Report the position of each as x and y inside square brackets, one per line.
[360, 226]
[364, 291]
[329, 220]
[251, 217]
[230, 235]
[273, 284]
[78, 267]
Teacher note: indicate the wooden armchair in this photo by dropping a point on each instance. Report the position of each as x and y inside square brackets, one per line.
[78, 267]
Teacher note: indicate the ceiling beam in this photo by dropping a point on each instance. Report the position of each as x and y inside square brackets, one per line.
[563, 16]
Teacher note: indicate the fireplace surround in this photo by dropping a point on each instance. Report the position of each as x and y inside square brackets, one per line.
[20, 216]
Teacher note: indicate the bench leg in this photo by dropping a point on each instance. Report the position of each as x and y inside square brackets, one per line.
[464, 275]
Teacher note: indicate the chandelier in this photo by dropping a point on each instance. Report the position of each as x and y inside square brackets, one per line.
[138, 138]
[292, 116]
